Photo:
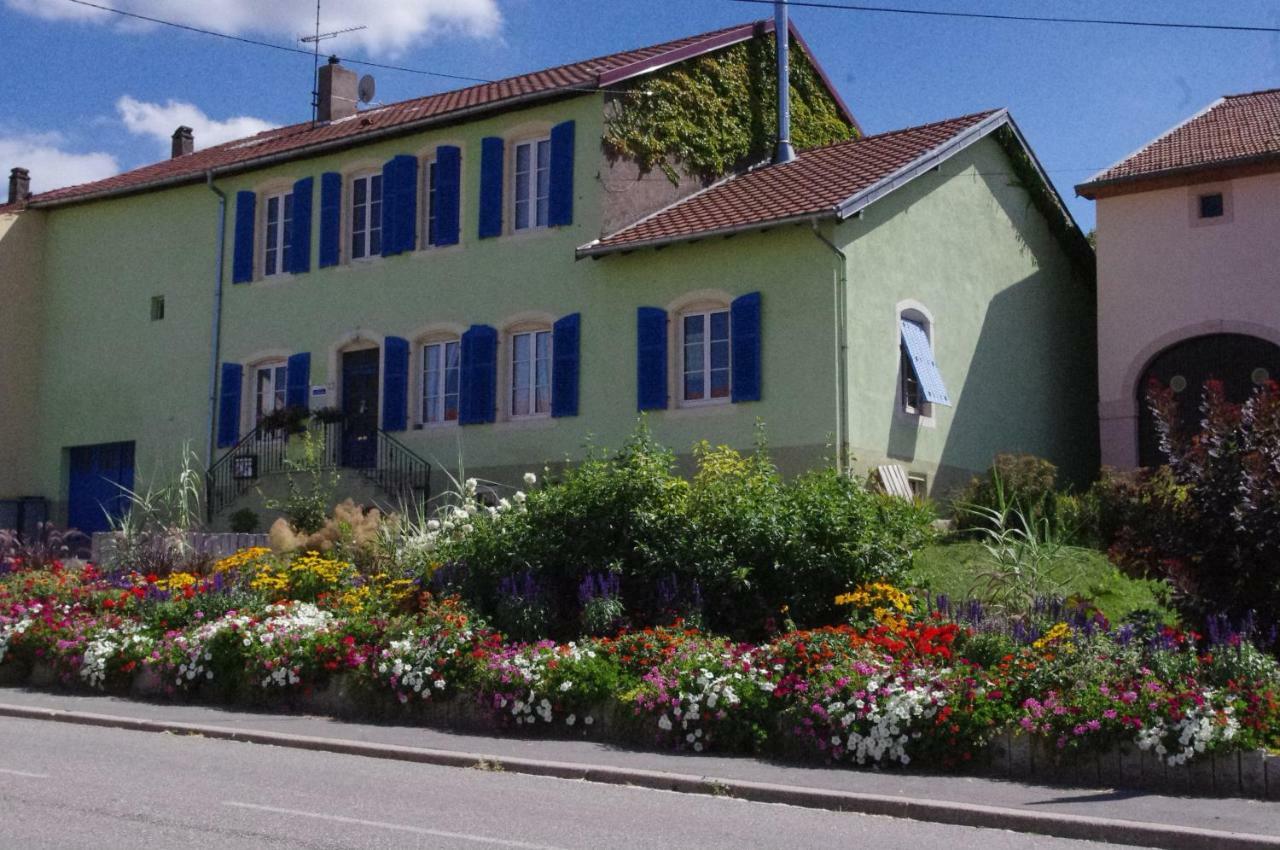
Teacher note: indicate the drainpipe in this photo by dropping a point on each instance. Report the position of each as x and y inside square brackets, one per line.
[782, 36]
[842, 349]
[215, 345]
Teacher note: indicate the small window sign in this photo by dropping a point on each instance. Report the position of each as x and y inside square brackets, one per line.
[319, 391]
[1211, 205]
[244, 467]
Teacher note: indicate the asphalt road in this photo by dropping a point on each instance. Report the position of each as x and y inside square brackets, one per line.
[64, 786]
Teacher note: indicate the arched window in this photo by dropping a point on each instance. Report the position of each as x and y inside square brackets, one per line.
[920, 384]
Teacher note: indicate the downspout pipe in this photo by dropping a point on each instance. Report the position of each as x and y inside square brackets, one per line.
[215, 336]
[782, 35]
[842, 348]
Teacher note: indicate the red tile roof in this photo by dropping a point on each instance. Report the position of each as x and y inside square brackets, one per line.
[1235, 127]
[816, 183]
[302, 139]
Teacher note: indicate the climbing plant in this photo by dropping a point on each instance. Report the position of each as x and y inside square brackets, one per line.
[718, 112]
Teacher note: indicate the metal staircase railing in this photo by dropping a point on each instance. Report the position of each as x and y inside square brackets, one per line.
[400, 473]
[261, 452]
[397, 470]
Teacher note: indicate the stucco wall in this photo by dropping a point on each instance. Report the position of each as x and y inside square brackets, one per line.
[1164, 276]
[21, 266]
[1012, 326]
[111, 374]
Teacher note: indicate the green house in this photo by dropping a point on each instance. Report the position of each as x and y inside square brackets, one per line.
[505, 274]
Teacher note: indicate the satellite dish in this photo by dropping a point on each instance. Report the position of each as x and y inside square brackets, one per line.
[366, 89]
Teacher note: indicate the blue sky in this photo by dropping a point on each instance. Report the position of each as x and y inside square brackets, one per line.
[89, 94]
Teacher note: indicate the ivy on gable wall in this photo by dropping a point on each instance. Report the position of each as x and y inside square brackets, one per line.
[716, 113]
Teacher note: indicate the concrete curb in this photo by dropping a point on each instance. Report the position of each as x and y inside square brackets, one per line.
[935, 811]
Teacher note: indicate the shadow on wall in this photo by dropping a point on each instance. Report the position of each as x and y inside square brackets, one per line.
[1031, 383]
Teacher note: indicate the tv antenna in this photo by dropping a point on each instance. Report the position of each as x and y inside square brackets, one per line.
[314, 41]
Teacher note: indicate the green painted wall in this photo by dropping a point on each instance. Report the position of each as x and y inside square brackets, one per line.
[109, 373]
[1014, 325]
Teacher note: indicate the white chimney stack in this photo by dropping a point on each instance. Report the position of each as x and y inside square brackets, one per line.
[782, 36]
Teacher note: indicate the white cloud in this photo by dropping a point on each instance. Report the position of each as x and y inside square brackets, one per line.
[391, 26]
[160, 120]
[50, 164]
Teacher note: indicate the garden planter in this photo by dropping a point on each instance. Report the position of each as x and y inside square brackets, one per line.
[1273, 777]
[43, 675]
[14, 673]
[147, 684]
[334, 698]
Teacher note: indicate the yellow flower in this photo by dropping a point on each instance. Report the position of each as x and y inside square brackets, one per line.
[176, 581]
[1057, 632]
[245, 558]
[881, 598]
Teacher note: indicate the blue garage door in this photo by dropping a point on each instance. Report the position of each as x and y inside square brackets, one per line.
[93, 492]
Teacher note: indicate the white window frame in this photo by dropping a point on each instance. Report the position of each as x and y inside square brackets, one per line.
[534, 197]
[428, 201]
[277, 372]
[434, 415]
[367, 231]
[280, 244]
[530, 409]
[682, 368]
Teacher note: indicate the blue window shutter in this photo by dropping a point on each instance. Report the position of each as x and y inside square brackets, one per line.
[229, 405]
[448, 194]
[395, 384]
[478, 392]
[399, 205]
[920, 353]
[330, 218]
[300, 227]
[298, 381]
[242, 258]
[651, 358]
[744, 332]
[565, 342]
[560, 203]
[491, 153]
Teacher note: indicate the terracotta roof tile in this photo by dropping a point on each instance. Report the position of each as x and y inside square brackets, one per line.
[1235, 127]
[301, 137]
[816, 182]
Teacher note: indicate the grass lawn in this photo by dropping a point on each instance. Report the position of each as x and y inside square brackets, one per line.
[954, 567]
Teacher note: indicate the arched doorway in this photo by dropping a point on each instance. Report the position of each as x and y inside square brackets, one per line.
[1241, 362]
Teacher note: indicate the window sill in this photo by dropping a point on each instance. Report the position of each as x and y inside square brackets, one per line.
[274, 279]
[436, 426]
[435, 250]
[711, 408]
[914, 420]
[526, 423]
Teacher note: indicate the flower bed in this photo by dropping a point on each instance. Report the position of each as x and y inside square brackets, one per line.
[914, 682]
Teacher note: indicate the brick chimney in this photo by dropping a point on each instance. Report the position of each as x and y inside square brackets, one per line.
[335, 92]
[19, 185]
[184, 142]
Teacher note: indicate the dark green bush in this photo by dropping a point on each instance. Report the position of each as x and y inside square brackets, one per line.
[737, 548]
[1019, 481]
[245, 521]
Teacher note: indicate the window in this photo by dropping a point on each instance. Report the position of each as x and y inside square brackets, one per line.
[157, 308]
[921, 385]
[270, 394]
[531, 373]
[705, 356]
[441, 373]
[919, 484]
[533, 184]
[429, 192]
[1212, 206]
[366, 216]
[279, 217]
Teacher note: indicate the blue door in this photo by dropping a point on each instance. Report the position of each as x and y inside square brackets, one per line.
[360, 408]
[94, 494]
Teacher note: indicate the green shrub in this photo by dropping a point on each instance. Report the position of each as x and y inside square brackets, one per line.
[245, 521]
[762, 548]
[1020, 482]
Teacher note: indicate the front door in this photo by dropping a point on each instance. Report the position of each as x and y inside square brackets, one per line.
[96, 486]
[360, 407]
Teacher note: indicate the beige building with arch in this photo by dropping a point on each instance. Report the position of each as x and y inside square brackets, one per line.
[1188, 245]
